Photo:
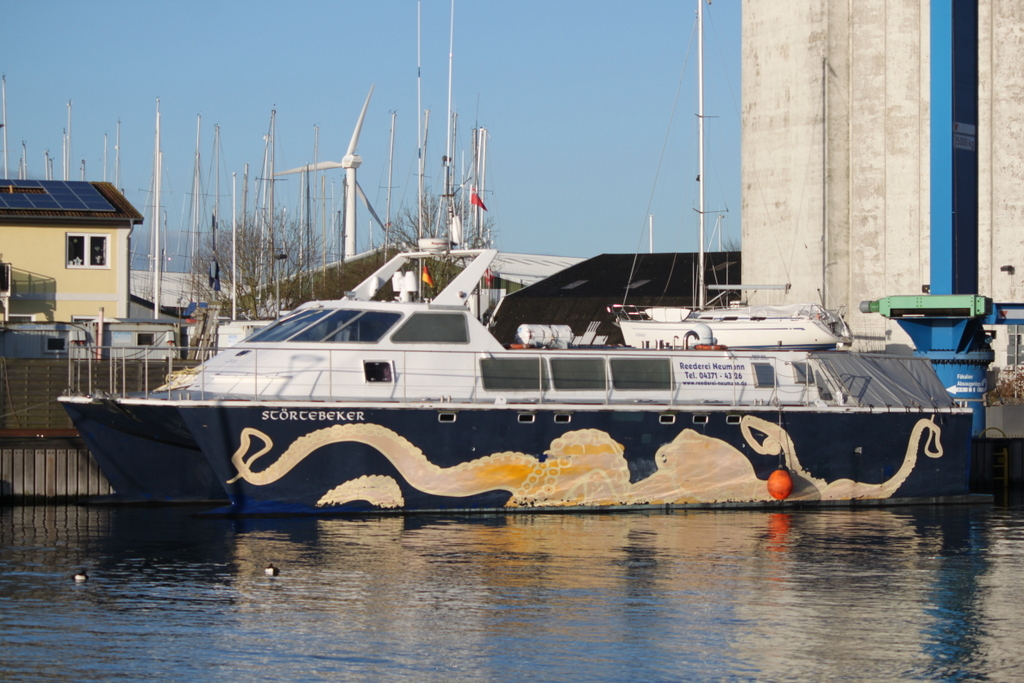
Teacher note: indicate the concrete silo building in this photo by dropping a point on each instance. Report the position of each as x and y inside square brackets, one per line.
[836, 153]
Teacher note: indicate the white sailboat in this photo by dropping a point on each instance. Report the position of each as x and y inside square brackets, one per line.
[806, 326]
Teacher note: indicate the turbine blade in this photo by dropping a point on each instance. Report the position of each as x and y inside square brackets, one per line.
[318, 166]
[359, 124]
[366, 202]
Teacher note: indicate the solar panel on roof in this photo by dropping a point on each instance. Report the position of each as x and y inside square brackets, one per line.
[57, 195]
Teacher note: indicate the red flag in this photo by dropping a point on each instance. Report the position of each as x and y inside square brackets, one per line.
[475, 200]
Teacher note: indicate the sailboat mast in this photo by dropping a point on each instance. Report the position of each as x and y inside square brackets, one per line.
[701, 293]
[157, 256]
[391, 164]
[420, 133]
[117, 157]
[3, 97]
[449, 148]
[234, 247]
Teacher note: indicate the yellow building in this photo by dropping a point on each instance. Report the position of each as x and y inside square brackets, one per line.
[65, 245]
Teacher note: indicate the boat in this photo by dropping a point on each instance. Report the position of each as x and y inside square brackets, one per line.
[806, 326]
[361, 405]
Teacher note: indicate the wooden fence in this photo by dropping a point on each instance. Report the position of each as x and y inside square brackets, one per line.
[48, 470]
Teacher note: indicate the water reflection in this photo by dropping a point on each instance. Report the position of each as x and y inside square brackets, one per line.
[894, 594]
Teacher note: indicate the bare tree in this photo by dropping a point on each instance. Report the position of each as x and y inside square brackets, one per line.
[272, 268]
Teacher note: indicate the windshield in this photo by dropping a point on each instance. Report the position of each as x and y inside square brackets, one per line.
[286, 327]
[339, 325]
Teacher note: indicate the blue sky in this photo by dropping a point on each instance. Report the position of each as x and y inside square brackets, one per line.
[587, 135]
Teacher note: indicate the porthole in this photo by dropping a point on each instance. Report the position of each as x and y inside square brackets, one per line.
[700, 419]
[527, 418]
[667, 418]
[732, 419]
[563, 418]
[446, 417]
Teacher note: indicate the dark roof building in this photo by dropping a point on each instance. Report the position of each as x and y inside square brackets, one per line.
[581, 294]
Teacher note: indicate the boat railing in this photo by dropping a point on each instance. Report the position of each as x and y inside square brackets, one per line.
[461, 377]
[123, 370]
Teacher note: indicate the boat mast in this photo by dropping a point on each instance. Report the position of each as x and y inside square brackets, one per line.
[117, 157]
[391, 164]
[701, 294]
[157, 257]
[234, 247]
[454, 233]
[3, 97]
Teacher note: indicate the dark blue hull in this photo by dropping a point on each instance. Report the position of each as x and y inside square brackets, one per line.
[306, 459]
[146, 453]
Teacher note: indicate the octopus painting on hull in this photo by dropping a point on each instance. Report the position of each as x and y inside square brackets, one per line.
[583, 467]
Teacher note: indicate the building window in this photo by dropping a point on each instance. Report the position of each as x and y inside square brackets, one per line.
[1014, 350]
[86, 251]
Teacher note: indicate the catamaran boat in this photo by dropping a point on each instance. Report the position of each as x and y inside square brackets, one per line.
[804, 326]
[361, 405]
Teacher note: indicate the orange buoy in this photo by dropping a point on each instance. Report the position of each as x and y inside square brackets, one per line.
[780, 484]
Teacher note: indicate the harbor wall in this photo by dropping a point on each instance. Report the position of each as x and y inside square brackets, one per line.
[48, 470]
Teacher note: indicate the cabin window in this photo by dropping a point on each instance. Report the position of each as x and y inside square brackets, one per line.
[667, 419]
[86, 251]
[513, 374]
[823, 391]
[288, 326]
[348, 325]
[446, 417]
[578, 374]
[764, 375]
[56, 344]
[701, 419]
[800, 375]
[369, 326]
[438, 328]
[377, 371]
[641, 374]
[527, 418]
[323, 325]
[732, 419]
[145, 339]
[563, 418]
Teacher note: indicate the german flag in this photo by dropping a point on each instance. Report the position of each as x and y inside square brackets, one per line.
[426, 277]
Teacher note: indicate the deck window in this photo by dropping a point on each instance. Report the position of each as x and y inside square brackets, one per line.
[641, 374]
[377, 371]
[823, 391]
[288, 326]
[437, 328]
[764, 375]
[513, 374]
[578, 374]
[348, 325]
[800, 375]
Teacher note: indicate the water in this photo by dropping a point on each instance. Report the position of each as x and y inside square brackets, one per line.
[902, 594]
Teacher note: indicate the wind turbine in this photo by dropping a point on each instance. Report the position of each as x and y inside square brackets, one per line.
[350, 162]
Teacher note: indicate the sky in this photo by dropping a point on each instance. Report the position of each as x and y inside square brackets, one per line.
[590, 106]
